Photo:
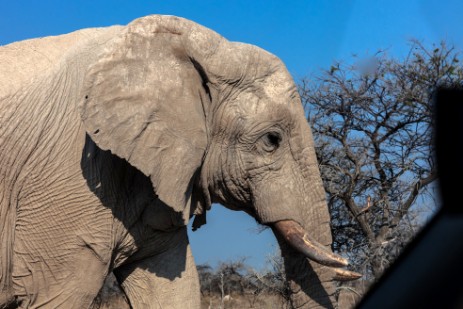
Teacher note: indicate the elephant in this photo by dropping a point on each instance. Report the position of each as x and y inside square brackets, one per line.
[113, 139]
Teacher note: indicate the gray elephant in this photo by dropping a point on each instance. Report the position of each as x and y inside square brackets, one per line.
[112, 139]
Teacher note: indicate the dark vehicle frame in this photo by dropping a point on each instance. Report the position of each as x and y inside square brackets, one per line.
[429, 273]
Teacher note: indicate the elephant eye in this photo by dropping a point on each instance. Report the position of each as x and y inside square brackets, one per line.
[271, 141]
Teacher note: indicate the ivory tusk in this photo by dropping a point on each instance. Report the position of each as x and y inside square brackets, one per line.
[296, 236]
[346, 275]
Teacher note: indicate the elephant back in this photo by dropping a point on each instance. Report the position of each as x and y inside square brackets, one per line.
[26, 61]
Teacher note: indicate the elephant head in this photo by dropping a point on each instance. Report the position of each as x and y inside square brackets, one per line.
[210, 120]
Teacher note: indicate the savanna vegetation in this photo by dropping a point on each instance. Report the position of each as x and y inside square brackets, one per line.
[232, 284]
[372, 120]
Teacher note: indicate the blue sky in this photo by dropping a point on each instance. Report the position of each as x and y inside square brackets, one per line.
[306, 35]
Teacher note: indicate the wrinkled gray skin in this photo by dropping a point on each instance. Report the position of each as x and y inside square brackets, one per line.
[112, 139]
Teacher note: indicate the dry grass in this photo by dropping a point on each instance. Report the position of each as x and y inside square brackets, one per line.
[262, 301]
[111, 297]
[236, 302]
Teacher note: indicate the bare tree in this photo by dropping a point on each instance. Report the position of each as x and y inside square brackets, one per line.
[272, 280]
[236, 285]
[206, 277]
[372, 123]
[229, 277]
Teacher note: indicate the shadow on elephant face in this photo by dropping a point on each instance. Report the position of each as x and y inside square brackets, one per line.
[148, 226]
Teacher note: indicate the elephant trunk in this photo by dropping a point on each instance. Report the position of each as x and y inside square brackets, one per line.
[299, 218]
[304, 235]
[309, 263]
[305, 246]
[310, 281]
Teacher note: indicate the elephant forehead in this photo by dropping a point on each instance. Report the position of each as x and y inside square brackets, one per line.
[279, 84]
[256, 103]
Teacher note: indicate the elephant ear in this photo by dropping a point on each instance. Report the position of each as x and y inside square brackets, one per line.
[145, 100]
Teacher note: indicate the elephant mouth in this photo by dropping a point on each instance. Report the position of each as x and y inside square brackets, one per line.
[298, 238]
